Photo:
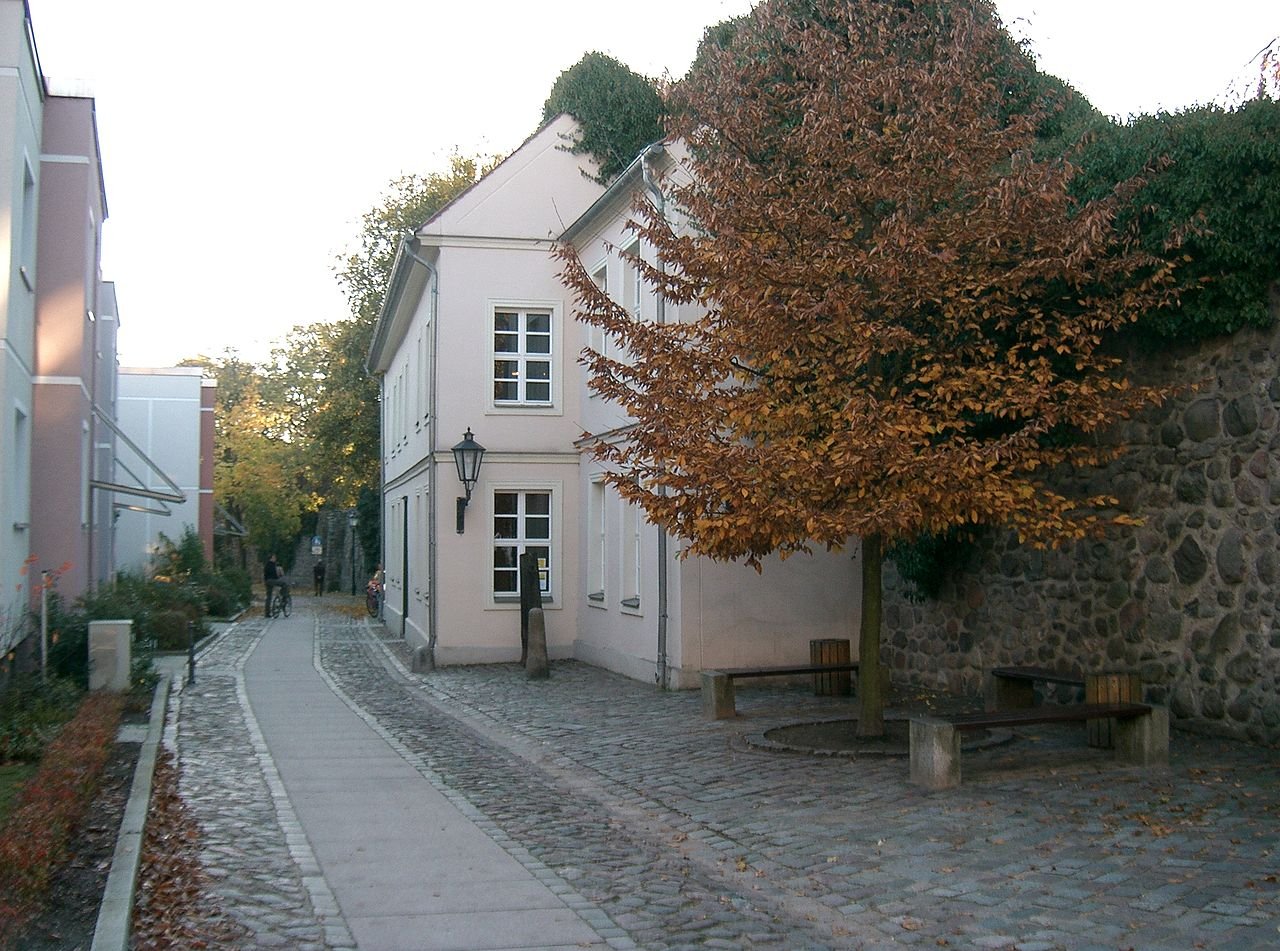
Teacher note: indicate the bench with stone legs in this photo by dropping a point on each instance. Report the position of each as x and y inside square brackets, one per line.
[718, 701]
[1141, 735]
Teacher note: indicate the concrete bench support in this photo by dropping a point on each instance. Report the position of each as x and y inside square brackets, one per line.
[1141, 736]
[935, 753]
[717, 696]
[1143, 741]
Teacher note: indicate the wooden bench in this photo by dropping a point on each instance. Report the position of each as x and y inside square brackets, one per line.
[718, 701]
[1013, 688]
[1141, 735]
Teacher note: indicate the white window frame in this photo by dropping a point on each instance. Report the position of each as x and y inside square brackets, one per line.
[633, 522]
[27, 226]
[552, 593]
[597, 339]
[20, 463]
[632, 288]
[555, 404]
[597, 543]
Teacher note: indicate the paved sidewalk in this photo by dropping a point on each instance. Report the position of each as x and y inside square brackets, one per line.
[347, 802]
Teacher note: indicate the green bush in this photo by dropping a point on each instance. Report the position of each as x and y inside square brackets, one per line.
[620, 112]
[31, 712]
[227, 593]
[169, 628]
[923, 562]
[1215, 173]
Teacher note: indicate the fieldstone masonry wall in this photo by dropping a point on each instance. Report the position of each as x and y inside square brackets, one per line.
[1189, 599]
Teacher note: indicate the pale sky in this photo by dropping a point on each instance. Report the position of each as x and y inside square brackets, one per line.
[243, 141]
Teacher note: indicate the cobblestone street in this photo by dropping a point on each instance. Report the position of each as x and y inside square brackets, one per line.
[662, 830]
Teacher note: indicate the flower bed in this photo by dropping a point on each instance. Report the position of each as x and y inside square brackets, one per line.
[34, 839]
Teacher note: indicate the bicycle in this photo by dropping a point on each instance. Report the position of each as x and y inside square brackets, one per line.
[372, 601]
[283, 602]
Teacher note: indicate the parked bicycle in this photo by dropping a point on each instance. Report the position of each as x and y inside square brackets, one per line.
[283, 601]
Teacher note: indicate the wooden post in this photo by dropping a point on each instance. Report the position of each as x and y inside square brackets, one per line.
[530, 598]
[1109, 688]
[831, 650]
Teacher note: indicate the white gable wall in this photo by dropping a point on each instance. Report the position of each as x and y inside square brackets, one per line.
[487, 252]
[719, 614]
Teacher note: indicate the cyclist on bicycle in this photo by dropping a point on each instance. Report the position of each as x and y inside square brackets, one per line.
[276, 584]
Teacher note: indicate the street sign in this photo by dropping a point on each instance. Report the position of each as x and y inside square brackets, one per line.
[317, 547]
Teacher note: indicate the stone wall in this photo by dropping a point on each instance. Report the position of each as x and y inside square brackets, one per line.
[1189, 599]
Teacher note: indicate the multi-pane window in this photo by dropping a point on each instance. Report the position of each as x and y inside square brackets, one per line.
[521, 524]
[521, 356]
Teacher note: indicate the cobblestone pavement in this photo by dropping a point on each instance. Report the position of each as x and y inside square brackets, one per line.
[680, 833]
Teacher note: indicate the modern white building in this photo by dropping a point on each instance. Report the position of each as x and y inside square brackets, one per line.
[166, 416]
[477, 337]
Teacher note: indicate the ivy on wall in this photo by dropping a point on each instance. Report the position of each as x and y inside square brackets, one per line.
[1216, 173]
[620, 112]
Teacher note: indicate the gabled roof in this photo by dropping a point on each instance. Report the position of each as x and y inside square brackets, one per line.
[529, 198]
[531, 195]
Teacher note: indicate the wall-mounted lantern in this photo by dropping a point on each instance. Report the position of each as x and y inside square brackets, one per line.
[467, 455]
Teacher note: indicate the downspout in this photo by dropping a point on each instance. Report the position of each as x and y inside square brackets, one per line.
[660, 202]
[432, 588]
[90, 584]
[404, 570]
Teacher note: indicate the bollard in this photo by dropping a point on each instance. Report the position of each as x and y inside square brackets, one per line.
[191, 653]
[424, 661]
[536, 662]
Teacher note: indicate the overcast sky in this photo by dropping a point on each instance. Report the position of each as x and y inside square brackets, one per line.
[242, 141]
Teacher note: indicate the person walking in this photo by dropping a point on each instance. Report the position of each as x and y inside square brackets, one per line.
[270, 579]
[318, 574]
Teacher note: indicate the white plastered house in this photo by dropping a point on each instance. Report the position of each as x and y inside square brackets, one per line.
[477, 335]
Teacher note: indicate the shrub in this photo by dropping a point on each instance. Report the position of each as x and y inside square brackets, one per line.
[620, 112]
[923, 562]
[31, 711]
[229, 590]
[169, 628]
[1221, 181]
[50, 806]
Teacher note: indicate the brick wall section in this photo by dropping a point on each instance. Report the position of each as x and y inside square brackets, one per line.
[1189, 600]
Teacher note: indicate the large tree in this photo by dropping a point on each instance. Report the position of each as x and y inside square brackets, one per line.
[408, 202]
[257, 475]
[904, 310]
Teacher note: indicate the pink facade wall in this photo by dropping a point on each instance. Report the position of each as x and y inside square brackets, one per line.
[71, 212]
[208, 409]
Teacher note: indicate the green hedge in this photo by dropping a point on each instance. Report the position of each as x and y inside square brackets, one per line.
[1222, 183]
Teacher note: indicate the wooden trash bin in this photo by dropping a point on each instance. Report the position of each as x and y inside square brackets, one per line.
[831, 650]
[1109, 688]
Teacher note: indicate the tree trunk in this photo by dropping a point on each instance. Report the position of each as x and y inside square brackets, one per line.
[871, 697]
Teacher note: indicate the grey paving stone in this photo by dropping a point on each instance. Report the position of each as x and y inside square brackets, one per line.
[636, 810]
